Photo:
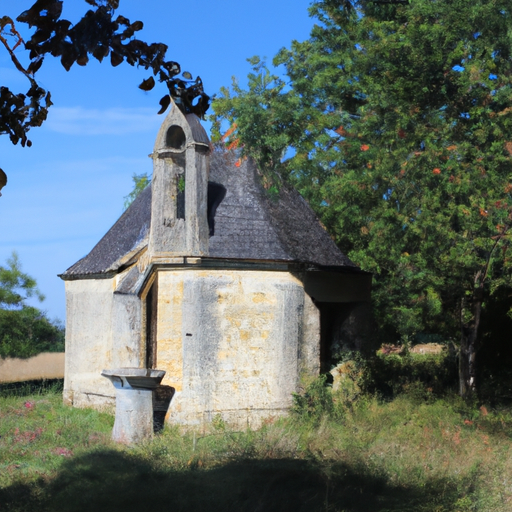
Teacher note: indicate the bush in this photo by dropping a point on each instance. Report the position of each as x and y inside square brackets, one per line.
[392, 374]
[315, 401]
[422, 377]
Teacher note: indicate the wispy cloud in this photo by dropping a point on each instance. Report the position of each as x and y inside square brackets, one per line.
[111, 121]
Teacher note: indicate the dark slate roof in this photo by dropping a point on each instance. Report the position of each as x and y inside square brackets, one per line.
[249, 224]
[198, 131]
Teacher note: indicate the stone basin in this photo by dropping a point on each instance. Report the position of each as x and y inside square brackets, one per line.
[134, 402]
[137, 378]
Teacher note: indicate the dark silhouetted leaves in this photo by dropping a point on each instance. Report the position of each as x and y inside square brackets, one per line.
[41, 13]
[100, 52]
[20, 112]
[67, 61]
[127, 33]
[115, 59]
[35, 65]
[82, 60]
[99, 34]
[41, 35]
[147, 84]
[164, 103]
[172, 67]
[122, 20]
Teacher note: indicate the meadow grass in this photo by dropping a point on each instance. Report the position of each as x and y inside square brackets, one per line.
[406, 454]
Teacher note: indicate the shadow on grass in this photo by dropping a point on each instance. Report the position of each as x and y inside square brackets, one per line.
[112, 481]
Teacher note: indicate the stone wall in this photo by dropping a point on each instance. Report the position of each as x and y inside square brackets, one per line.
[89, 306]
[234, 343]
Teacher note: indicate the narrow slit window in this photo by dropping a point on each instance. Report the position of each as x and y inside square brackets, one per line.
[180, 197]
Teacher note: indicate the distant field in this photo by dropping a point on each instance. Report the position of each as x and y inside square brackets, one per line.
[49, 365]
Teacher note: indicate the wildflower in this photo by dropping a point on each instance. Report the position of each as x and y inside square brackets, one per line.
[63, 451]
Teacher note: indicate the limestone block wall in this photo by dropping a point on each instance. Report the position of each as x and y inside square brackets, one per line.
[89, 305]
[309, 341]
[234, 343]
[126, 326]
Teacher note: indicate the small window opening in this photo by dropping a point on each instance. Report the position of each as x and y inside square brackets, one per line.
[180, 197]
[175, 137]
[216, 194]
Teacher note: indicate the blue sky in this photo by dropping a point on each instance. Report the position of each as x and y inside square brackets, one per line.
[65, 192]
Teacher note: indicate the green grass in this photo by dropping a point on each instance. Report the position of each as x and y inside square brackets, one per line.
[407, 454]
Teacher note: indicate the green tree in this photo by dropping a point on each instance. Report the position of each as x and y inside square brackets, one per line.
[394, 121]
[140, 182]
[24, 330]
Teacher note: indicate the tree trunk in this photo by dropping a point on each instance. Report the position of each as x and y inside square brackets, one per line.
[469, 347]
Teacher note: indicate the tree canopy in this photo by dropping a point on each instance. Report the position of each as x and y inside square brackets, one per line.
[140, 182]
[100, 34]
[394, 121]
[24, 329]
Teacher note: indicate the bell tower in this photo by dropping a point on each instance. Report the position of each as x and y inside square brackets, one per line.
[179, 223]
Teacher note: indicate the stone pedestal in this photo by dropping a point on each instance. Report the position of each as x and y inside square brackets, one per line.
[134, 402]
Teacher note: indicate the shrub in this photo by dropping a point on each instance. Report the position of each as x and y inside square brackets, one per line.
[392, 374]
[315, 401]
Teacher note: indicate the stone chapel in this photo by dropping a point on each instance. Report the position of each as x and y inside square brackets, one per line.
[236, 294]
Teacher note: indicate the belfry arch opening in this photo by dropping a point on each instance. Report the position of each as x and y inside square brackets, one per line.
[175, 137]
